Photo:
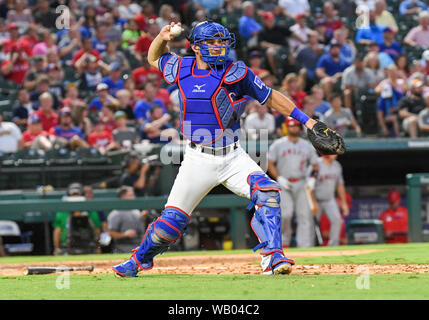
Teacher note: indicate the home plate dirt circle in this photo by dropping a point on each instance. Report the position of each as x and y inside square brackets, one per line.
[231, 264]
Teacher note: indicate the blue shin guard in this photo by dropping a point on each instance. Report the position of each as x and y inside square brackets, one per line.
[159, 235]
[266, 223]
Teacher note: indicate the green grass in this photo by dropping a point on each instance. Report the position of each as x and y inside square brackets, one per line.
[210, 287]
[410, 253]
[237, 287]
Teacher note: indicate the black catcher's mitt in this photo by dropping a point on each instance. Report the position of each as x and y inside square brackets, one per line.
[325, 140]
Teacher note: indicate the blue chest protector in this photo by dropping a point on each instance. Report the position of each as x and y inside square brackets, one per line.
[207, 109]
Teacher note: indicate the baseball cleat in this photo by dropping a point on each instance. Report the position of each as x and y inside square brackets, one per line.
[276, 264]
[128, 268]
[284, 268]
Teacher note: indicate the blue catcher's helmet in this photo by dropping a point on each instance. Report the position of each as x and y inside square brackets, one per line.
[212, 30]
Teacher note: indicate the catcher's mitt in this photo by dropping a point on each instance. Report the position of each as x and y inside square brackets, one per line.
[325, 140]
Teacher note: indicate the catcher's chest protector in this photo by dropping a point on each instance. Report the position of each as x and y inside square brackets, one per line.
[207, 109]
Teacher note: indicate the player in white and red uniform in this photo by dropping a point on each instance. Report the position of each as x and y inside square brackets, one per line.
[291, 159]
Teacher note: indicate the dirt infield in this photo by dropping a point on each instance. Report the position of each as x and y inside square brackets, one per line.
[232, 264]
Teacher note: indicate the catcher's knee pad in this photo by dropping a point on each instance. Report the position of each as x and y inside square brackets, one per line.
[263, 190]
[266, 223]
[159, 235]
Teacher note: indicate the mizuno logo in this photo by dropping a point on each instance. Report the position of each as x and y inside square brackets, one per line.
[198, 88]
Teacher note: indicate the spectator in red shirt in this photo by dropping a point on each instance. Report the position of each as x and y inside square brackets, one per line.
[10, 43]
[86, 51]
[102, 139]
[140, 74]
[144, 41]
[331, 19]
[17, 66]
[35, 137]
[145, 15]
[395, 219]
[108, 116]
[30, 37]
[48, 117]
[291, 87]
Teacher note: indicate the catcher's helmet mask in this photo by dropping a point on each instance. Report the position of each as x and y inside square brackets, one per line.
[208, 30]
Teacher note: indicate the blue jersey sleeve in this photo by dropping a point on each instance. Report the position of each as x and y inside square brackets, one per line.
[252, 86]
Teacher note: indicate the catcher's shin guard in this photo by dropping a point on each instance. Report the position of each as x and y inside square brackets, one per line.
[266, 223]
[159, 235]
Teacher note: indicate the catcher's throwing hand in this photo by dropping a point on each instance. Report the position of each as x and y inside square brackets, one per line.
[325, 140]
[165, 32]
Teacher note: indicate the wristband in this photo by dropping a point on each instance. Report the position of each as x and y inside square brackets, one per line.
[299, 115]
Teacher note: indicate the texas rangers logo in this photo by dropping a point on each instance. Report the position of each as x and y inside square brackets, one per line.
[198, 88]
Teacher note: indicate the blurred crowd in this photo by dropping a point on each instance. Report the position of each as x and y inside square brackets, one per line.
[79, 78]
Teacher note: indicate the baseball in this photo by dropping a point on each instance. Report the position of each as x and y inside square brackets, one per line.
[176, 30]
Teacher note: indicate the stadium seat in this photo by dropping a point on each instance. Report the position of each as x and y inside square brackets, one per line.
[6, 160]
[88, 156]
[29, 157]
[62, 156]
[92, 157]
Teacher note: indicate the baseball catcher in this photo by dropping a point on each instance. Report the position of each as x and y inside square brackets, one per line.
[213, 92]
